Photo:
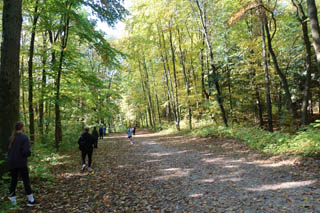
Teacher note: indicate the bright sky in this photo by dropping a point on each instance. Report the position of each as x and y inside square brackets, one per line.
[118, 31]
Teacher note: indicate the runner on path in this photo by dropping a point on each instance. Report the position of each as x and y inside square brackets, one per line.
[129, 132]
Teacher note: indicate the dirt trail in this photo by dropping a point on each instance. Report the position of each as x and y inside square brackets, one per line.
[172, 173]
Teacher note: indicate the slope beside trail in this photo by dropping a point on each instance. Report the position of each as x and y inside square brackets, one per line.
[172, 173]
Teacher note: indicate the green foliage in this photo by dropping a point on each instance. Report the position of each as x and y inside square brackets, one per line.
[305, 142]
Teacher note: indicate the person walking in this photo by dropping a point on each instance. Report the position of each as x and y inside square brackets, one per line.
[129, 132]
[19, 151]
[86, 142]
[134, 130]
[101, 132]
[95, 135]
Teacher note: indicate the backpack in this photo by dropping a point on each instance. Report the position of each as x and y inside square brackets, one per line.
[82, 143]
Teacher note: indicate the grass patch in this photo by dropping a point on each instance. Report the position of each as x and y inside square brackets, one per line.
[305, 142]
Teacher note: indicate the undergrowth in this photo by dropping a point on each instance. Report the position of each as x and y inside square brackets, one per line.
[305, 142]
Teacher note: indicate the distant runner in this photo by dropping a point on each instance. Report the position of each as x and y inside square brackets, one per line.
[129, 132]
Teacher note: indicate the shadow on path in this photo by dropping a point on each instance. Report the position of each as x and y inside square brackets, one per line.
[172, 173]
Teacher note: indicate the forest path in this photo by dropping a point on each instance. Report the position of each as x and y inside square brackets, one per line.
[172, 173]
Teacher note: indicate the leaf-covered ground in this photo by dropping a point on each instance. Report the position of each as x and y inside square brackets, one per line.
[172, 173]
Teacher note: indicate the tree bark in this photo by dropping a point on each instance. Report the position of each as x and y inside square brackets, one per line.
[204, 91]
[283, 78]
[186, 78]
[267, 78]
[24, 111]
[307, 83]
[167, 74]
[203, 18]
[145, 92]
[173, 57]
[150, 103]
[64, 42]
[315, 29]
[43, 86]
[30, 71]
[9, 72]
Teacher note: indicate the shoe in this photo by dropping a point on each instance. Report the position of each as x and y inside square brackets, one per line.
[13, 200]
[131, 142]
[90, 169]
[83, 167]
[30, 204]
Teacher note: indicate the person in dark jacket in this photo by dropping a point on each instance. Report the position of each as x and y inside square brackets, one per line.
[86, 142]
[95, 134]
[19, 151]
[101, 132]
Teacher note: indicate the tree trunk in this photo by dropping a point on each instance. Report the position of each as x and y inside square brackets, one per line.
[64, 41]
[30, 72]
[279, 104]
[150, 103]
[175, 82]
[315, 29]
[9, 73]
[230, 95]
[145, 92]
[43, 86]
[283, 78]
[158, 109]
[307, 84]
[24, 111]
[167, 74]
[186, 78]
[267, 78]
[203, 18]
[259, 105]
[204, 91]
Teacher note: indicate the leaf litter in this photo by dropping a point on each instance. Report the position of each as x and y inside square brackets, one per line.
[173, 173]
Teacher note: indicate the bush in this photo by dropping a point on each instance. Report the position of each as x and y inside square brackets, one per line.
[305, 142]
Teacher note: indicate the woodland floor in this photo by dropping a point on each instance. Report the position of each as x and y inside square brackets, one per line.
[173, 173]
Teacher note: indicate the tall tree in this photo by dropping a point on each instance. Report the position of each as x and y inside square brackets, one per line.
[315, 29]
[9, 71]
[202, 11]
[30, 69]
[301, 16]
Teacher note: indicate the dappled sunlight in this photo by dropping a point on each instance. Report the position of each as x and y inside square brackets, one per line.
[231, 166]
[68, 175]
[285, 185]
[278, 164]
[196, 195]
[161, 154]
[210, 180]
[55, 159]
[152, 161]
[125, 166]
[231, 179]
[173, 173]
[149, 143]
[213, 160]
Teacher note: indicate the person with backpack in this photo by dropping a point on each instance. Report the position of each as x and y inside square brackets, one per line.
[19, 151]
[129, 132]
[101, 132]
[86, 142]
[95, 135]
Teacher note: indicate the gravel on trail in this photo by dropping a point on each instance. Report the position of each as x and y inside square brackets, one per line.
[174, 173]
